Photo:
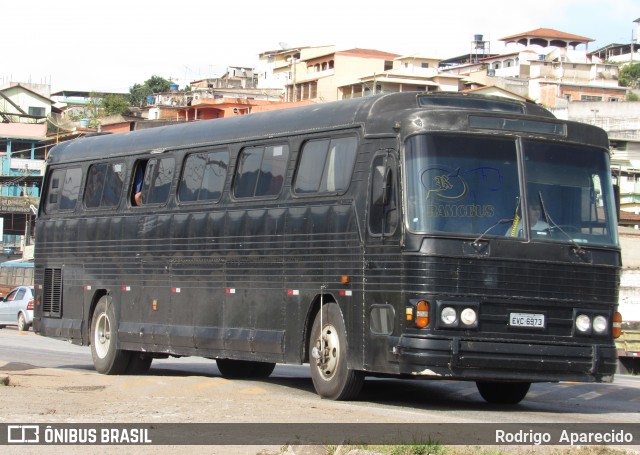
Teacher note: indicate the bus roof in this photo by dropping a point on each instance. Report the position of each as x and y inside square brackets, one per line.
[334, 115]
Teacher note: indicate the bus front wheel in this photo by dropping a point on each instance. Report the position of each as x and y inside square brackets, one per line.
[503, 392]
[107, 359]
[332, 377]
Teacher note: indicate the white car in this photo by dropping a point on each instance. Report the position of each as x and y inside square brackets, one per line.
[17, 308]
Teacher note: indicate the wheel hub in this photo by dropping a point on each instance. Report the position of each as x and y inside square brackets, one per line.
[328, 352]
[102, 335]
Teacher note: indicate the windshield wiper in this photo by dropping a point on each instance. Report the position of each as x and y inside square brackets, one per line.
[476, 243]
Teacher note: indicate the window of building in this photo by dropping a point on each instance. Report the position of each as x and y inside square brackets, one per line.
[424, 65]
[104, 185]
[590, 98]
[261, 171]
[63, 190]
[388, 65]
[37, 111]
[326, 166]
[203, 176]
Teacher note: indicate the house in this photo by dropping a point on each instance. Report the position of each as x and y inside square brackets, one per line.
[277, 68]
[323, 76]
[545, 65]
[23, 145]
[78, 104]
[621, 53]
[407, 73]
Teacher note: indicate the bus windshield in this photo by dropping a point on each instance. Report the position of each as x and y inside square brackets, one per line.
[469, 185]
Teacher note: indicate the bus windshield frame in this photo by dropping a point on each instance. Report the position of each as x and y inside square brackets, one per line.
[477, 185]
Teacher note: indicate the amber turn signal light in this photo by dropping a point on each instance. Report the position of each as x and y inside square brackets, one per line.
[617, 324]
[422, 314]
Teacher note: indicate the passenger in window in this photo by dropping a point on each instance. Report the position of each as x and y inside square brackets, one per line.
[138, 197]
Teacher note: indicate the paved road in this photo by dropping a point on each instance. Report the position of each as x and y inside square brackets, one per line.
[565, 402]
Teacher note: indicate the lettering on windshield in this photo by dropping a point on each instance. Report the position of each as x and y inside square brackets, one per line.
[448, 190]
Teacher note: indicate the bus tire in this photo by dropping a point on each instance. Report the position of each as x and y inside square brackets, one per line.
[332, 378]
[22, 323]
[503, 392]
[139, 363]
[107, 359]
[244, 369]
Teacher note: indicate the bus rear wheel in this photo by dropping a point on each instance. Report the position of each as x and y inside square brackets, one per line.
[332, 377]
[503, 392]
[107, 359]
[244, 369]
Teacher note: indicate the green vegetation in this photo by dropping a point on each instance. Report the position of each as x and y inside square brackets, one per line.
[139, 92]
[633, 96]
[630, 75]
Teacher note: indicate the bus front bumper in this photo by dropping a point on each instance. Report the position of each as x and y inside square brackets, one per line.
[506, 360]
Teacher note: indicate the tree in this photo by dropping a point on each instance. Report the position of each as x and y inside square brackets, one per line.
[138, 94]
[158, 84]
[630, 75]
[115, 104]
[155, 84]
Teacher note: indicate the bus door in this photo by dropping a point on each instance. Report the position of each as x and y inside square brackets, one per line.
[382, 277]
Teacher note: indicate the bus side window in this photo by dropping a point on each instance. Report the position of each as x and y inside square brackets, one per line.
[95, 185]
[203, 176]
[137, 197]
[158, 182]
[326, 166]
[63, 190]
[261, 171]
[152, 181]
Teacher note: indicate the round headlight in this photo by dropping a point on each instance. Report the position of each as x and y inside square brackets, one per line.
[448, 315]
[468, 316]
[583, 323]
[600, 324]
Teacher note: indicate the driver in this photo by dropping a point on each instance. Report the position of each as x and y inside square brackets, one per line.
[537, 224]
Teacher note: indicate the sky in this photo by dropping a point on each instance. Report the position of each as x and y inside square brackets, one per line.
[76, 45]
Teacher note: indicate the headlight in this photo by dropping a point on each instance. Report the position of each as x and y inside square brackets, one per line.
[448, 316]
[600, 324]
[468, 316]
[583, 323]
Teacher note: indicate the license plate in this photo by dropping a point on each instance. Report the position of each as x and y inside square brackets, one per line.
[528, 320]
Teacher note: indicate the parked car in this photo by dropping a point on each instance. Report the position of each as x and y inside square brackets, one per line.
[17, 308]
[9, 250]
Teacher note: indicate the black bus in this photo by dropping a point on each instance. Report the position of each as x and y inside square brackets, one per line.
[440, 236]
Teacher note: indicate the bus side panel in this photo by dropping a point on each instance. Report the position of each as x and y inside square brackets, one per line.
[263, 235]
[322, 244]
[197, 280]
